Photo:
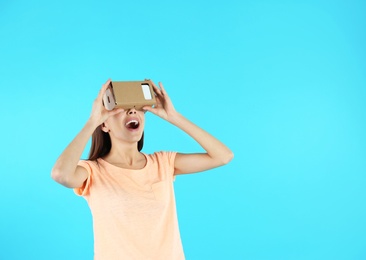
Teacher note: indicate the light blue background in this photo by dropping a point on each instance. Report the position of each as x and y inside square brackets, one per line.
[282, 83]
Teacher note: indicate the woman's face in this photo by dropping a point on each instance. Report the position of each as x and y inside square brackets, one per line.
[126, 126]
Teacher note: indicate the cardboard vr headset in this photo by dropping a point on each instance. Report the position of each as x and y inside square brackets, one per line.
[129, 94]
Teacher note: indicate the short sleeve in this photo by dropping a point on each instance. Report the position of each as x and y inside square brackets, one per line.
[84, 190]
[166, 163]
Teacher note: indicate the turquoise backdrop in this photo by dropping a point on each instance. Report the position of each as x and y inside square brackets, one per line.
[282, 83]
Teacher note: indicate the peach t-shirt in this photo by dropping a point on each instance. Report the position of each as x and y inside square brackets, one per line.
[134, 211]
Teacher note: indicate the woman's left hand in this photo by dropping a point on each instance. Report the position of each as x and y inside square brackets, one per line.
[164, 107]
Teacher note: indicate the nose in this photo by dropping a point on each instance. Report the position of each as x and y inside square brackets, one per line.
[132, 111]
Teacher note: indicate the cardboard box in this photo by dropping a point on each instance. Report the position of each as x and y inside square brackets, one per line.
[129, 94]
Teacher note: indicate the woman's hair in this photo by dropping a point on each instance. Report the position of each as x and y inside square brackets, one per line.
[101, 144]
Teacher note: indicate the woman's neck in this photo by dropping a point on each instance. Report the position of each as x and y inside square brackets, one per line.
[126, 156]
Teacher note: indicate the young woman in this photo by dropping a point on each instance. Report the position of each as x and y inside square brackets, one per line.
[130, 194]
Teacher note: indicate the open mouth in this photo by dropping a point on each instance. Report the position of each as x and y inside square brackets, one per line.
[132, 124]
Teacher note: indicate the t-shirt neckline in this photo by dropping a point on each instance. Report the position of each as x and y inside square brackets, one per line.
[125, 169]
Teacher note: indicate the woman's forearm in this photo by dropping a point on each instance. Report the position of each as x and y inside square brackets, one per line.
[214, 148]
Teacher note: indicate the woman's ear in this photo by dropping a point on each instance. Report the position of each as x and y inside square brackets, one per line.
[105, 128]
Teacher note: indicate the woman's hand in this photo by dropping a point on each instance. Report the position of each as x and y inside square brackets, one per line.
[99, 113]
[164, 107]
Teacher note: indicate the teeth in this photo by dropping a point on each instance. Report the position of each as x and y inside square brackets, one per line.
[132, 121]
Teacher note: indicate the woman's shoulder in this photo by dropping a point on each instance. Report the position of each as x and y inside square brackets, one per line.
[89, 164]
[162, 156]
[160, 153]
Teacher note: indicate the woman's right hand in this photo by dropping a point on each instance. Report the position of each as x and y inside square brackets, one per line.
[99, 113]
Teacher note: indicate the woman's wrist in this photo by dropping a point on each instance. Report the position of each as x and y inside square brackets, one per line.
[92, 123]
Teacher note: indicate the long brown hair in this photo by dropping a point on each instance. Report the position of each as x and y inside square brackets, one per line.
[101, 144]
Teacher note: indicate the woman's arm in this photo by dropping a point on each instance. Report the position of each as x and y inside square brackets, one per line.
[66, 171]
[217, 154]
